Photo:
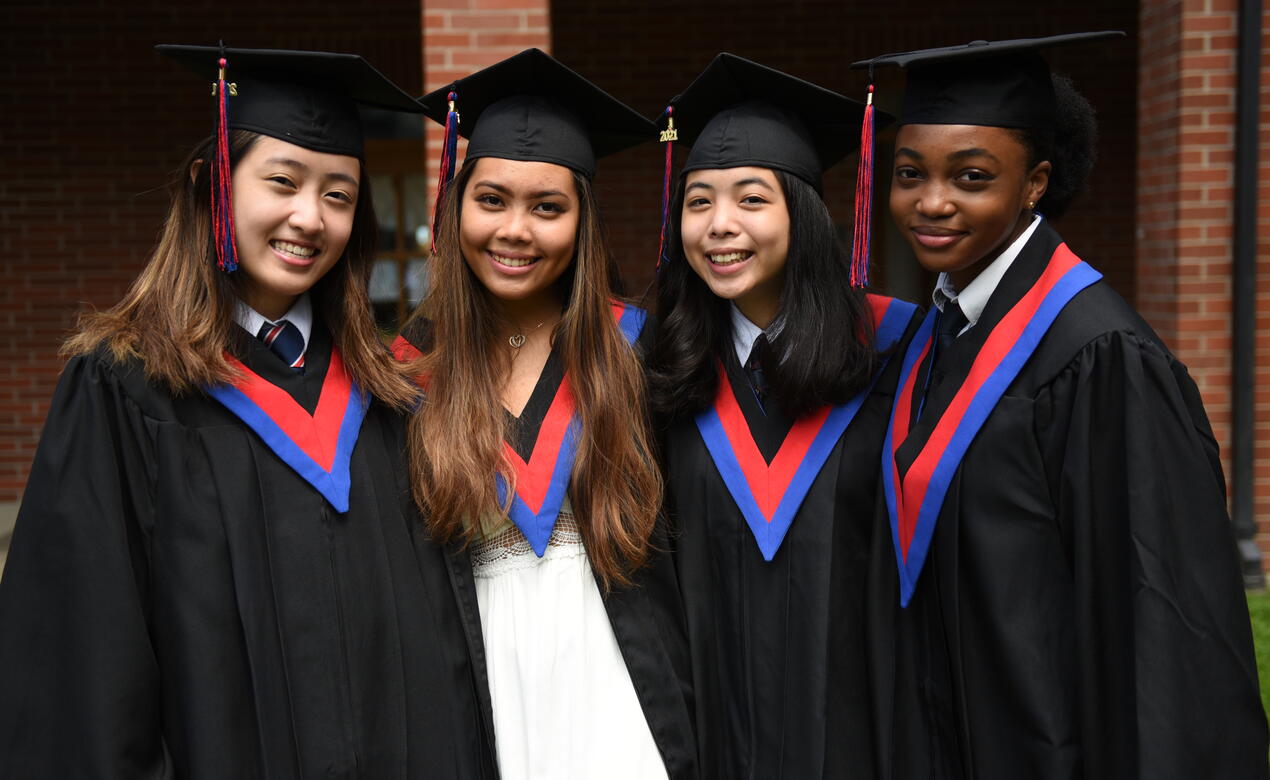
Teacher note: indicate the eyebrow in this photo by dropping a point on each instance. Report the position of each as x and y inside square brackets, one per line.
[752, 181]
[747, 182]
[975, 152]
[532, 196]
[288, 162]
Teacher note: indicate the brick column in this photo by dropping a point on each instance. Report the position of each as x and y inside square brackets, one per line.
[1185, 205]
[462, 36]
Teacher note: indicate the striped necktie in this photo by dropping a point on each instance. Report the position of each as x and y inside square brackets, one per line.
[286, 341]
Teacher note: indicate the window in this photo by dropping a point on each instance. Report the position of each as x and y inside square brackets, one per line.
[396, 169]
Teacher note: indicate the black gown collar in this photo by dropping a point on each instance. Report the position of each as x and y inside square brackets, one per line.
[305, 387]
[522, 432]
[768, 424]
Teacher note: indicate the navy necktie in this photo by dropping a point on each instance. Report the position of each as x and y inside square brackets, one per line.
[951, 323]
[285, 340]
[754, 369]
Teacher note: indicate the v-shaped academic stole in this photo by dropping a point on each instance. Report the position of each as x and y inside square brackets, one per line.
[915, 497]
[316, 446]
[542, 481]
[770, 494]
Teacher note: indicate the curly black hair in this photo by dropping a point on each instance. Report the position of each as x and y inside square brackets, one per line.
[1071, 147]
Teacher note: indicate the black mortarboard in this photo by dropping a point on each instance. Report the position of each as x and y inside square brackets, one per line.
[532, 107]
[989, 83]
[738, 113]
[307, 98]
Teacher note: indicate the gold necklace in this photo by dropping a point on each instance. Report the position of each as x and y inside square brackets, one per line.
[517, 340]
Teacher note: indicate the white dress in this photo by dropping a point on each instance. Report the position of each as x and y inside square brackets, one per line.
[564, 704]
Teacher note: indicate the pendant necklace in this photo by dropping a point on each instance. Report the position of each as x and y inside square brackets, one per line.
[517, 340]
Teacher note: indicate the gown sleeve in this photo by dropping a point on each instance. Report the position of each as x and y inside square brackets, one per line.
[1166, 676]
[79, 687]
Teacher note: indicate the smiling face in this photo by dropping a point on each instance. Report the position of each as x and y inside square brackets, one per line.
[293, 213]
[518, 226]
[961, 195]
[735, 231]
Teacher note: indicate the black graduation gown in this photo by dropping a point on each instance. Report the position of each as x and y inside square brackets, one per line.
[780, 674]
[1080, 613]
[178, 602]
[645, 617]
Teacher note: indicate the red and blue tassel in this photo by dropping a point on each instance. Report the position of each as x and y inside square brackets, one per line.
[449, 150]
[222, 180]
[863, 200]
[668, 137]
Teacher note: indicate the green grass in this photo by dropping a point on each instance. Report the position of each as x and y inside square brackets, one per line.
[1259, 609]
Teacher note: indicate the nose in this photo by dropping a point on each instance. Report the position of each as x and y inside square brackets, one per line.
[934, 202]
[723, 221]
[306, 214]
[515, 227]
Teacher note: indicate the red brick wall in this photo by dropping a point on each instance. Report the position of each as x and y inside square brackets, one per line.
[93, 123]
[645, 51]
[1185, 205]
[463, 36]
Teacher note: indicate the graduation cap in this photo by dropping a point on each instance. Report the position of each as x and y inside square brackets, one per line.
[533, 108]
[307, 98]
[740, 113]
[988, 83]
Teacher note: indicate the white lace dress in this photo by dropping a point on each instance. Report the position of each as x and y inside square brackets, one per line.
[564, 705]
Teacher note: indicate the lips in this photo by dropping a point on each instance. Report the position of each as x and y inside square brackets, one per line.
[291, 252]
[727, 258]
[511, 263]
[937, 237]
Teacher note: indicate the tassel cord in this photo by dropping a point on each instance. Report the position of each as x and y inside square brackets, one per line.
[668, 136]
[862, 238]
[449, 150]
[222, 182]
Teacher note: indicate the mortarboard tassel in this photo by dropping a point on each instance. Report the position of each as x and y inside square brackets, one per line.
[449, 149]
[863, 199]
[222, 206]
[668, 137]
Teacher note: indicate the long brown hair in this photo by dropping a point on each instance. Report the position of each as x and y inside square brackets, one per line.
[456, 436]
[177, 318]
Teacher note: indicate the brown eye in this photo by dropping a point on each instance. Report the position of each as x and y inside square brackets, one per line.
[975, 177]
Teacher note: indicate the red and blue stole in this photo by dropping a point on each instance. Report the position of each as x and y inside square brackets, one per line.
[319, 446]
[914, 498]
[770, 494]
[543, 480]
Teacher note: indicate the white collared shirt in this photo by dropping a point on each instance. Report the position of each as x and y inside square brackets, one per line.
[300, 315]
[744, 334]
[974, 298]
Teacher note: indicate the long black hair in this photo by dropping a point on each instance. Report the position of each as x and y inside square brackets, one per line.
[1071, 147]
[824, 341]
